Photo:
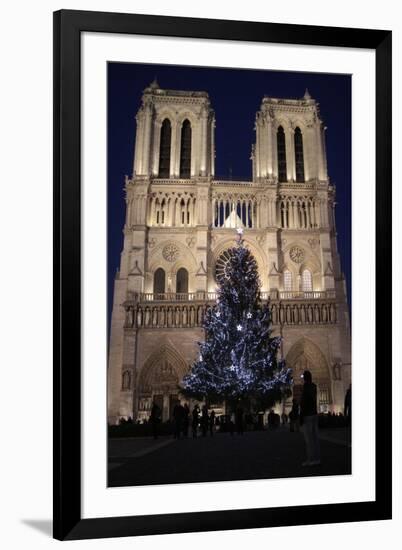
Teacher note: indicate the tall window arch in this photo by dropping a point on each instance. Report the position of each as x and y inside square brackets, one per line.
[159, 281]
[163, 212]
[287, 281]
[182, 281]
[182, 212]
[185, 150]
[164, 149]
[281, 145]
[307, 281]
[299, 156]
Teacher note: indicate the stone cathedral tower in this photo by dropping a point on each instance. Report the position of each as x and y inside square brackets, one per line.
[180, 223]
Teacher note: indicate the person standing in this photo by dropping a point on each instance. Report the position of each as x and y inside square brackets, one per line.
[155, 418]
[194, 425]
[178, 414]
[186, 420]
[211, 422]
[309, 420]
[271, 420]
[204, 420]
[294, 416]
[348, 405]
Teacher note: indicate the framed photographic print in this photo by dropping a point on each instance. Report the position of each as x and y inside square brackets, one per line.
[222, 274]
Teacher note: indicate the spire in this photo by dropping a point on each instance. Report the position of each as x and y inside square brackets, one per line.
[154, 84]
[307, 94]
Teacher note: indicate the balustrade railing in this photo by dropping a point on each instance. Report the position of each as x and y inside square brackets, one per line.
[179, 310]
[305, 295]
[232, 182]
[175, 297]
[202, 296]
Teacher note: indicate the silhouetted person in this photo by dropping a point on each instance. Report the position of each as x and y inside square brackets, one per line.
[204, 420]
[155, 418]
[271, 420]
[348, 405]
[231, 426]
[309, 420]
[294, 416]
[194, 424]
[239, 420]
[178, 416]
[186, 419]
[211, 423]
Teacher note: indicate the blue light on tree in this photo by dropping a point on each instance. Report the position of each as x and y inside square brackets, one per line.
[238, 359]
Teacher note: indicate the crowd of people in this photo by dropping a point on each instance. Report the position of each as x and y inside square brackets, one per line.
[303, 415]
[200, 420]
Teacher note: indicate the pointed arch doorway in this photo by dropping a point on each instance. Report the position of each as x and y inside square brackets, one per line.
[159, 381]
[305, 355]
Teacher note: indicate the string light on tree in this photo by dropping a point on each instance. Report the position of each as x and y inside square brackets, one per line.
[239, 354]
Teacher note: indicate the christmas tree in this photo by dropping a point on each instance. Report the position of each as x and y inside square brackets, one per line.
[238, 359]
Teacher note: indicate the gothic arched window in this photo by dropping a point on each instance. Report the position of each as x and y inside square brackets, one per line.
[185, 150]
[182, 212]
[126, 380]
[281, 145]
[182, 281]
[163, 210]
[287, 281]
[307, 281]
[299, 157]
[164, 149]
[159, 281]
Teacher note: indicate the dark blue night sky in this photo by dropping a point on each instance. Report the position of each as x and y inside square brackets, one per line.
[236, 97]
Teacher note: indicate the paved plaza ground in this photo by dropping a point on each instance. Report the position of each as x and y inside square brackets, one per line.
[254, 455]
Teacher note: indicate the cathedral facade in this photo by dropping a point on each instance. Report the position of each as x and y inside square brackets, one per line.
[180, 222]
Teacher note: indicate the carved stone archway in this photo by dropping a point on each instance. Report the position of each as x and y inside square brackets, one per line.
[159, 380]
[305, 355]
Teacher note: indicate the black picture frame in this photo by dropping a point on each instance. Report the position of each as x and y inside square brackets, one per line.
[68, 26]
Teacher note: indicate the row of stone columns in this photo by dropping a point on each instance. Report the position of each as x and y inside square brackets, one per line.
[289, 213]
[299, 214]
[172, 212]
[232, 212]
[225, 213]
